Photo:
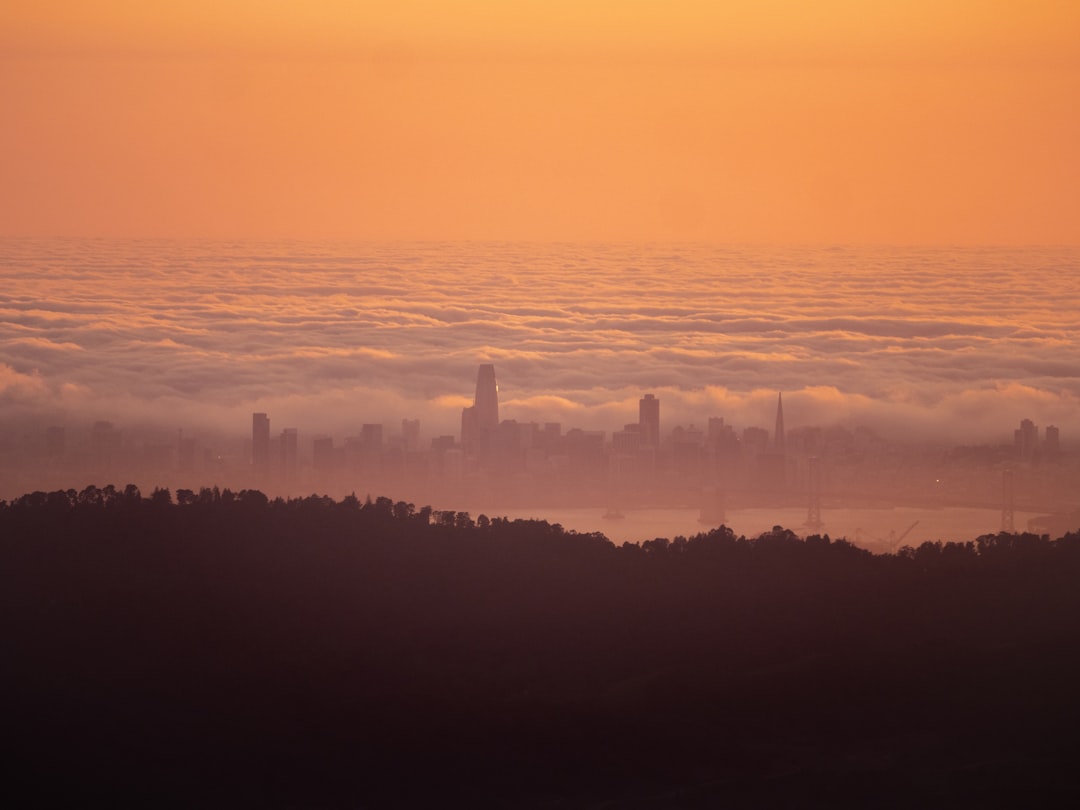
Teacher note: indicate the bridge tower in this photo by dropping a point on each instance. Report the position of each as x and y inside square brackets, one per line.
[1008, 523]
[813, 488]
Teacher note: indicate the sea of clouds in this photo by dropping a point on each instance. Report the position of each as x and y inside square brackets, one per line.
[919, 343]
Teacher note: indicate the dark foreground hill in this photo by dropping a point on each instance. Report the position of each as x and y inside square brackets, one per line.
[226, 651]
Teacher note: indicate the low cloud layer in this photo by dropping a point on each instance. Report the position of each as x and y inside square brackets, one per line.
[924, 344]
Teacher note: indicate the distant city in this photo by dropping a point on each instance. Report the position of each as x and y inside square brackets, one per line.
[501, 462]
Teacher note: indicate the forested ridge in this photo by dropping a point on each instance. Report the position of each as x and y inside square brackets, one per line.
[224, 649]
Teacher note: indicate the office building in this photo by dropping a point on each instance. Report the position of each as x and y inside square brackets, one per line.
[323, 457]
[480, 421]
[288, 450]
[780, 436]
[649, 420]
[486, 401]
[1051, 442]
[1026, 439]
[260, 441]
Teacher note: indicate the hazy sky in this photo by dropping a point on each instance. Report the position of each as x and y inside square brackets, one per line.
[748, 121]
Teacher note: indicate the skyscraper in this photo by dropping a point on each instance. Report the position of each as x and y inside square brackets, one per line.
[487, 398]
[1027, 440]
[1052, 442]
[371, 436]
[649, 420]
[260, 441]
[780, 437]
[470, 433]
[480, 421]
[322, 453]
[773, 464]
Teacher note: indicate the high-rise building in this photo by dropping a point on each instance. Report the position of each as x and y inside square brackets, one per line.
[487, 398]
[260, 441]
[779, 437]
[1026, 439]
[470, 432]
[686, 451]
[371, 436]
[1051, 442]
[549, 438]
[440, 444]
[410, 434]
[322, 453]
[772, 463]
[480, 421]
[649, 419]
[720, 439]
[755, 439]
[626, 441]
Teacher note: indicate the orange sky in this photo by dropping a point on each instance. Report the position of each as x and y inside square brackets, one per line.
[841, 121]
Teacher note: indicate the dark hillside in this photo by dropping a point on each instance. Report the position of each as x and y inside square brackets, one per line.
[223, 650]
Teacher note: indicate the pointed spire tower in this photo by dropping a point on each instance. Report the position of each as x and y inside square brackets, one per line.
[779, 439]
[480, 421]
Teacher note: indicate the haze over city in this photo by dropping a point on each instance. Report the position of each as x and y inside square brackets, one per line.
[216, 210]
[541, 403]
[924, 349]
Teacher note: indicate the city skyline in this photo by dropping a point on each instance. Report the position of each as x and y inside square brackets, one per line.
[475, 429]
[650, 461]
[215, 210]
[312, 333]
[729, 244]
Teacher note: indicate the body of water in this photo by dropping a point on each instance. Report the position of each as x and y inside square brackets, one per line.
[875, 529]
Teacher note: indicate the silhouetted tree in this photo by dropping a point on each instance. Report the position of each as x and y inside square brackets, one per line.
[240, 650]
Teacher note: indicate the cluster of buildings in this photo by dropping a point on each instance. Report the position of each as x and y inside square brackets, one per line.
[494, 460]
[1030, 448]
[507, 461]
[518, 461]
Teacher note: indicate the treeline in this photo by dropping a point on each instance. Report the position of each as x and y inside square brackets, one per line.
[221, 648]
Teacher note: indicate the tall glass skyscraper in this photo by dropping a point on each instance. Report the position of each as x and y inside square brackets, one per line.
[480, 421]
[649, 420]
[487, 398]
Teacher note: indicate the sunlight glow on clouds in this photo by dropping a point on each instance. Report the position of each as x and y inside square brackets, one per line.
[916, 343]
